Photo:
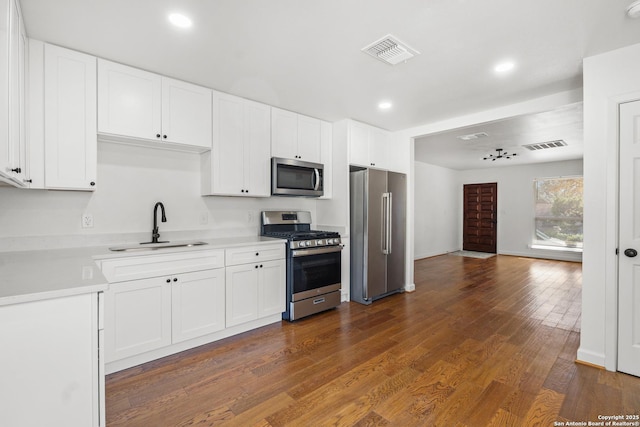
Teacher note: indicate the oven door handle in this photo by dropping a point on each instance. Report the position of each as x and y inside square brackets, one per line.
[316, 251]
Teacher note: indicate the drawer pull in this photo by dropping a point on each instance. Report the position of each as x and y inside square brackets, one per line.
[318, 300]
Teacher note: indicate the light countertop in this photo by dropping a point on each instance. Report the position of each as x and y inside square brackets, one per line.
[46, 274]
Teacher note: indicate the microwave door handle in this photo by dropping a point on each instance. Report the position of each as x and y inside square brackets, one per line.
[316, 174]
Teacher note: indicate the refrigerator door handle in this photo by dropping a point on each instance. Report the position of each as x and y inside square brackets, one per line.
[385, 223]
[389, 221]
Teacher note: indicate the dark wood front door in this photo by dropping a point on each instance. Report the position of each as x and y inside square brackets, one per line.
[480, 217]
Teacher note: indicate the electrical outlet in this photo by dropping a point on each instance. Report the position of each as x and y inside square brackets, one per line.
[204, 218]
[87, 221]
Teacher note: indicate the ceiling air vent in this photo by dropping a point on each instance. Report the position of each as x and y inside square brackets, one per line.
[545, 145]
[391, 50]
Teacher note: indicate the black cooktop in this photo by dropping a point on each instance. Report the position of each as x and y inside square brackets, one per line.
[302, 235]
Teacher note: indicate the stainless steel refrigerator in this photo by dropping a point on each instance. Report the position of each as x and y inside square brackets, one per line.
[378, 203]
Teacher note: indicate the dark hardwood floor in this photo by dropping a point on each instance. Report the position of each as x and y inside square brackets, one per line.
[480, 342]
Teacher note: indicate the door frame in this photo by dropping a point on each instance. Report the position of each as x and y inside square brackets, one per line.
[464, 209]
[615, 342]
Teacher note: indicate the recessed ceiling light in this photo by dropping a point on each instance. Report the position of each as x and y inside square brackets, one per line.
[504, 67]
[180, 20]
[384, 105]
[473, 136]
[633, 11]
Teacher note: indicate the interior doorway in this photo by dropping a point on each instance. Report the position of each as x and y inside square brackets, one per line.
[479, 228]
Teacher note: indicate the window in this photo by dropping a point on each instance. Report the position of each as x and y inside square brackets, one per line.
[558, 212]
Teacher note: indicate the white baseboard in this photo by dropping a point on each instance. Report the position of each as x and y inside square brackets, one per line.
[590, 357]
[410, 287]
[432, 254]
[554, 255]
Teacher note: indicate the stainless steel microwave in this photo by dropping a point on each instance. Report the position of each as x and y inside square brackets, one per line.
[290, 177]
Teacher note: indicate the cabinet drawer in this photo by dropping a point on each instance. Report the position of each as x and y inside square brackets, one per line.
[258, 253]
[140, 267]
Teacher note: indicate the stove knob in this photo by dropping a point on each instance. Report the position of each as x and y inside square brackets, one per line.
[329, 241]
[320, 242]
[303, 244]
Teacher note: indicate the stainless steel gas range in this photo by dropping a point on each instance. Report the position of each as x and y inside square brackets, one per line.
[313, 262]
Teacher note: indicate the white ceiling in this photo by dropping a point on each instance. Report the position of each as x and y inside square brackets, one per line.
[447, 150]
[304, 56]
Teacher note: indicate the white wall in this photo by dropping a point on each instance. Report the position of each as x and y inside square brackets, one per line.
[609, 79]
[516, 204]
[536, 105]
[438, 207]
[437, 211]
[130, 180]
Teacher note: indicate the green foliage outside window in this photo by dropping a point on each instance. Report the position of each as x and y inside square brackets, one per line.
[558, 211]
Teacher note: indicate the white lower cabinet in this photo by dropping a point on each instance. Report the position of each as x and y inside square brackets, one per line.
[138, 317]
[197, 304]
[160, 304]
[255, 290]
[242, 294]
[49, 365]
[147, 314]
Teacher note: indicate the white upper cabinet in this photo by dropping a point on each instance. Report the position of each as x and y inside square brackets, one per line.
[141, 106]
[186, 113]
[129, 101]
[294, 136]
[358, 144]
[70, 139]
[239, 161]
[370, 146]
[12, 94]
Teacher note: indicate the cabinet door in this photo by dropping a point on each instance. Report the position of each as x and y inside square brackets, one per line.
[378, 148]
[309, 139]
[227, 152]
[284, 134]
[49, 359]
[137, 317]
[257, 149]
[69, 119]
[358, 144]
[186, 113]
[22, 101]
[11, 104]
[242, 293]
[129, 101]
[197, 304]
[4, 87]
[271, 288]
[14, 91]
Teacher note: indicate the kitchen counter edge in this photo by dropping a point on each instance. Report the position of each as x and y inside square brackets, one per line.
[55, 273]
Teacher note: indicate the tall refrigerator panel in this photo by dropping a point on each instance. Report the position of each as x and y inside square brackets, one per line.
[378, 224]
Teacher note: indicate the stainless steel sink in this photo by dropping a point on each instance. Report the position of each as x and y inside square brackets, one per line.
[155, 246]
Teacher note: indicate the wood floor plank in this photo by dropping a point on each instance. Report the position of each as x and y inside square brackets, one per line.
[479, 342]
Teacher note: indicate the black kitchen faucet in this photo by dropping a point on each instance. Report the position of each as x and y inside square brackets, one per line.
[155, 234]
